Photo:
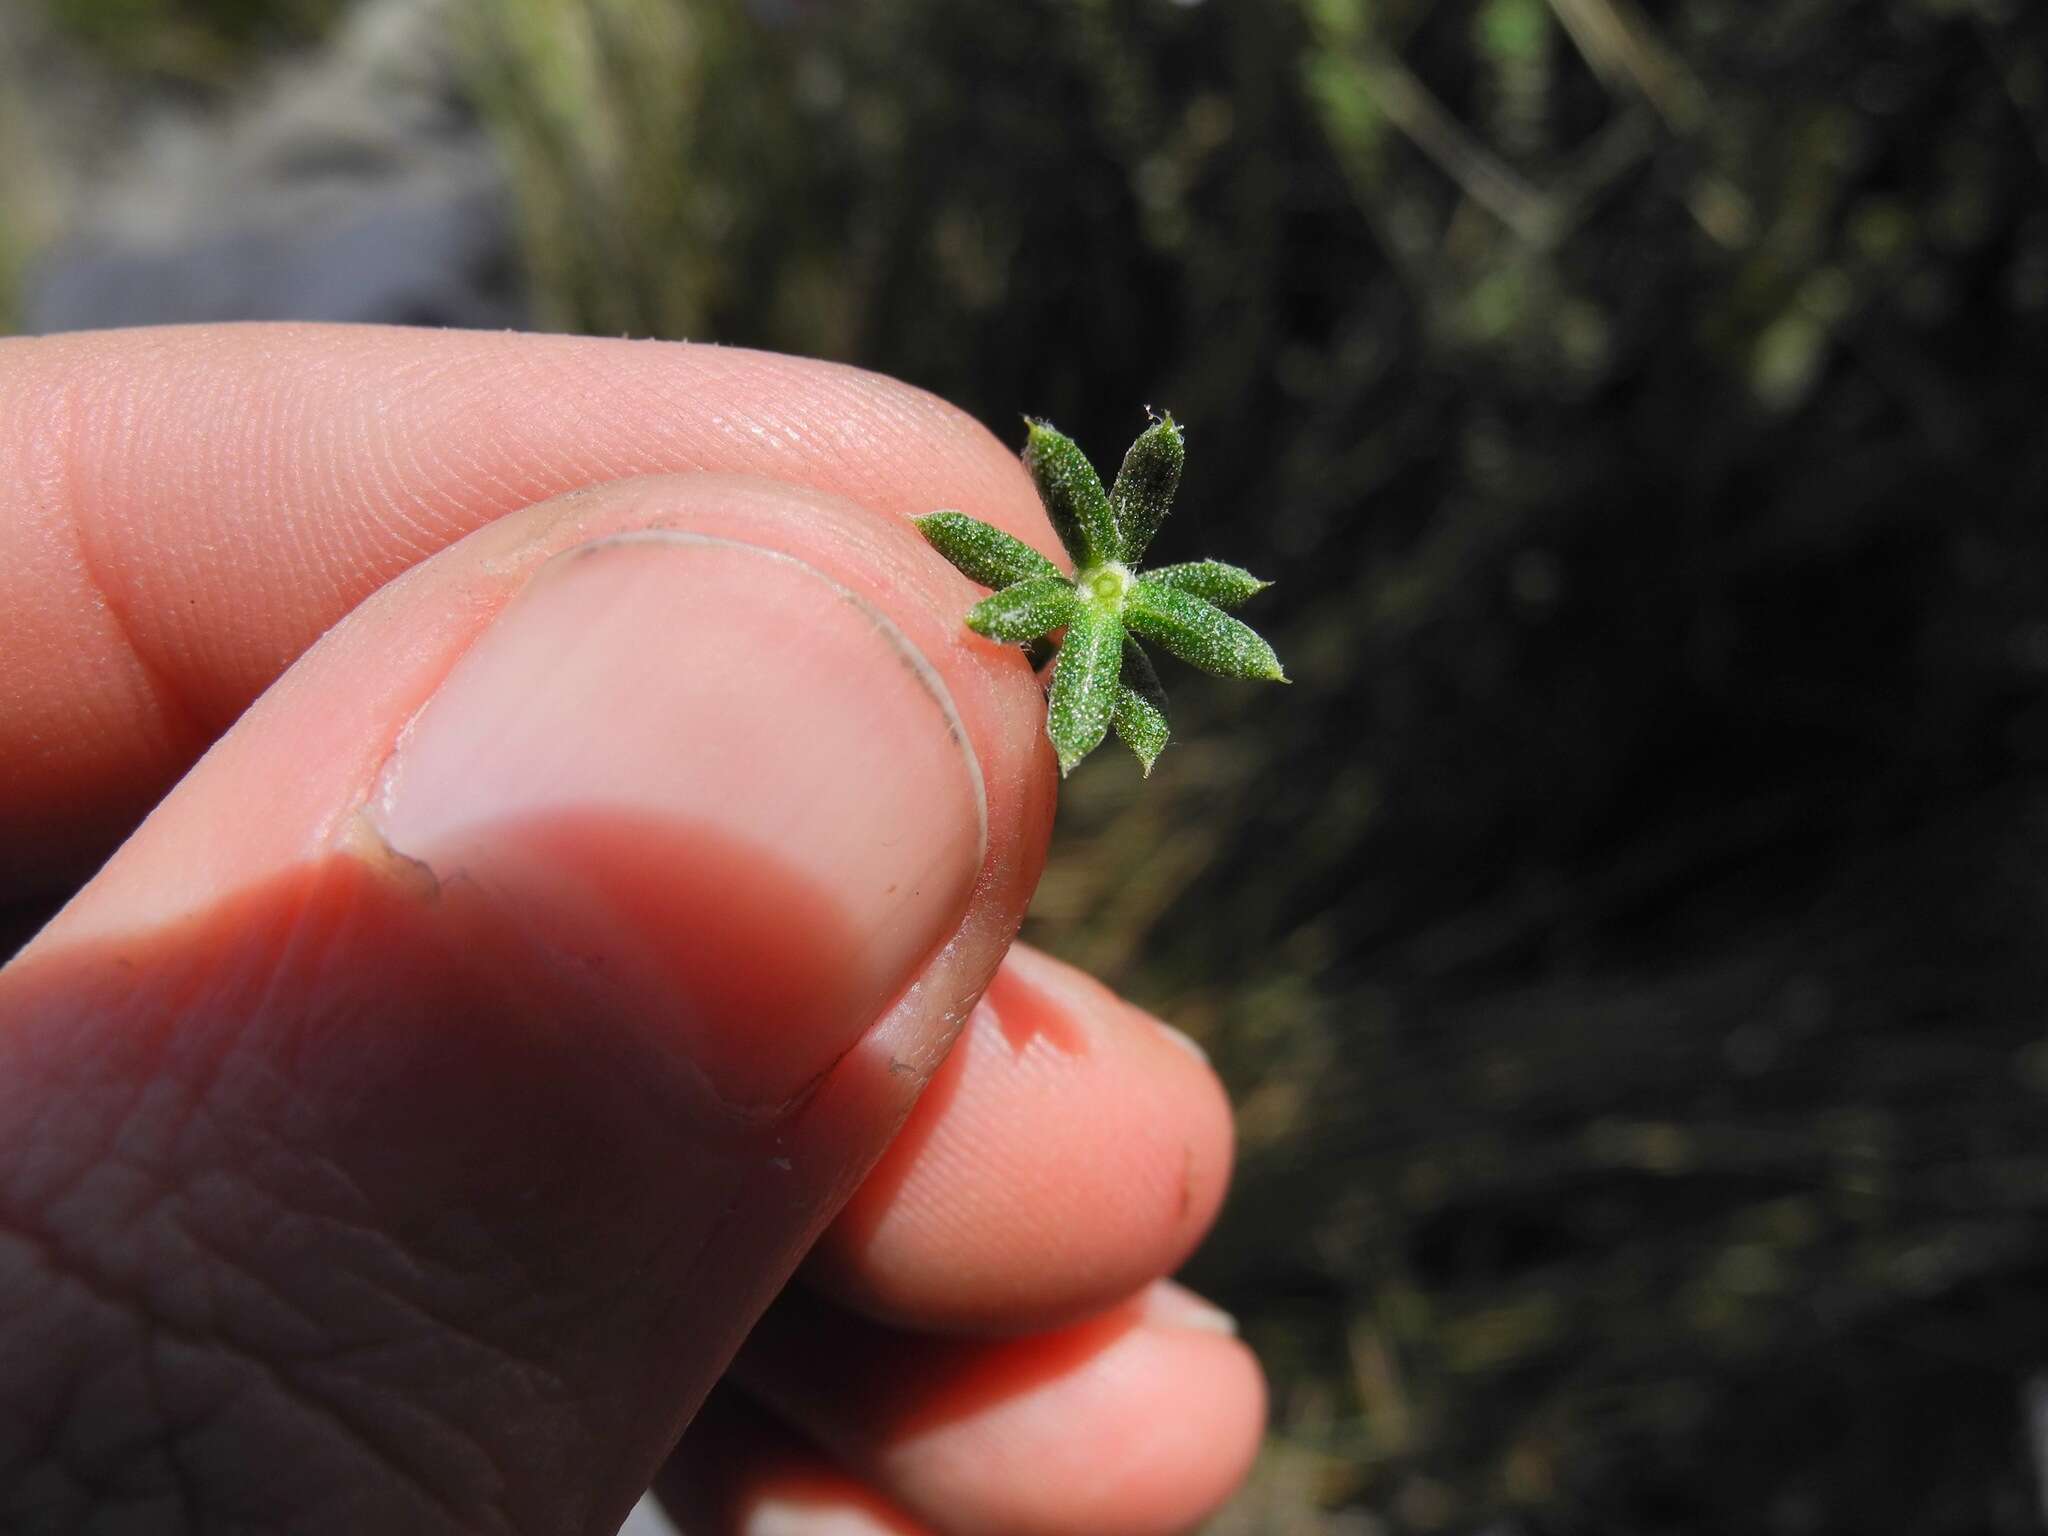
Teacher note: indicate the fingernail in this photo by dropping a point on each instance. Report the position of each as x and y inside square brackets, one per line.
[787, 1517]
[1184, 1040]
[1168, 1305]
[716, 778]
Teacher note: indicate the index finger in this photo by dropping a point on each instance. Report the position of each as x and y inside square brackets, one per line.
[184, 510]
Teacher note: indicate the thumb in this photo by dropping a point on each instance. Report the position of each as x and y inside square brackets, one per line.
[404, 1129]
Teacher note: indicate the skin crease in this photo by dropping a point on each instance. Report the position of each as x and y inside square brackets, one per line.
[333, 1203]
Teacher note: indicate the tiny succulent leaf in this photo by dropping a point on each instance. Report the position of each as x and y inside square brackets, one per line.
[982, 552]
[1101, 677]
[1140, 718]
[1199, 633]
[1072, 493]
[1140, 675]
[1224, 585]
[1025, 610]
[1140, 725]
[1084, 685]
[1143, 493]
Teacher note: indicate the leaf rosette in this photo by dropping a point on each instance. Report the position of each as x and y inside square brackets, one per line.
[1102, 678]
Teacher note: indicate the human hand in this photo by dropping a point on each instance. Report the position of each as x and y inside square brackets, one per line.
[406, 1126]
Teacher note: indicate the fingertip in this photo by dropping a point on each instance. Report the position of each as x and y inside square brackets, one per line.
[740, 1471]
[1070, 1150]
[1153, 1437]
[1127, 1424]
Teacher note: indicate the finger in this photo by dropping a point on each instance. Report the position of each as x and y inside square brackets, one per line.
[404, 1127]
[741, 1472]
[1070, 1150]
[182, 511]
[1140, 1421]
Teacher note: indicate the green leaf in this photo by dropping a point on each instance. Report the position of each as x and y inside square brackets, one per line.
[1026, 610]
[1140, 727]
[1072, 493]
[1198, 632]
[982, 552]
[1224, 585]
[1140, 716]
[1084, 685]
[1099, 677]
[1143, 493]
[1139, 675]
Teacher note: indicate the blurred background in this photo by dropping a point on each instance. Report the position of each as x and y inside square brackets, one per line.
[1627, 942]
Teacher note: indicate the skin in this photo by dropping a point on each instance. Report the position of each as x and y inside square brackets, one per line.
[413, 1106]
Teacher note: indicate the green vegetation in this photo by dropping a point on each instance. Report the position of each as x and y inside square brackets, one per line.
[195, 43]
[18, 200]
[1103, 678]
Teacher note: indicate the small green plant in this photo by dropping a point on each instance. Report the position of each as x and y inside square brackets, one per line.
[1102, 677]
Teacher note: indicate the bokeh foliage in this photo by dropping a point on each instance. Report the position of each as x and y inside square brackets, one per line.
[1624, 937]
[194, 44]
